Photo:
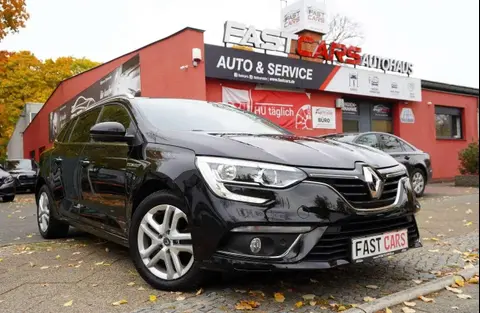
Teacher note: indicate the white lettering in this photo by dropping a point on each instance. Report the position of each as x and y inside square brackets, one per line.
[268, 39]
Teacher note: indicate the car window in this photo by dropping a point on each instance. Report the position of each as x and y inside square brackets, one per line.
[65, 132]
[390, 144]
[370, 140]
[406, 147]
[194, 115]
[116, 113]
[22, 164]
[81, 130]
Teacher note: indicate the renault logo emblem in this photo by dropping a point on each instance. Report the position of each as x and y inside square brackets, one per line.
[374, 182]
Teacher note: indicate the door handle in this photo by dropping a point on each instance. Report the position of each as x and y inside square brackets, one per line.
[407, 157]
[57, 160]
[85, 163]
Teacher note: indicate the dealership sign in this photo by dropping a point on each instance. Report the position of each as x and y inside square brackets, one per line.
[305, 15]
[280, 41]
[259, 68]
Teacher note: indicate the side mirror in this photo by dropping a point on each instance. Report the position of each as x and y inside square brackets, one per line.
[109, 132]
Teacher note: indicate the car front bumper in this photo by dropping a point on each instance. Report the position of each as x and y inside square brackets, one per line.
[308, 226]
[7, 189]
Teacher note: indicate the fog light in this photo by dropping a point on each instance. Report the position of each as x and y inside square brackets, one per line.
[256, 245]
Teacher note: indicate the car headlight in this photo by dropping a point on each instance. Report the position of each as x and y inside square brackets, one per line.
[219, 172]
[9, 179]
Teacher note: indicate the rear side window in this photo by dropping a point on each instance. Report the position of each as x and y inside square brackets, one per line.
[81, 130]
[390, 144]
[370, 140]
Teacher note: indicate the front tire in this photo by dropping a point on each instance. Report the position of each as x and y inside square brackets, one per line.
[161, 244]
[419, 182]
[48, 226]
[8, 198]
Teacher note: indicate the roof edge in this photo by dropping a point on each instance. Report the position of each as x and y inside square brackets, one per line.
[432, 85]
[125, 54]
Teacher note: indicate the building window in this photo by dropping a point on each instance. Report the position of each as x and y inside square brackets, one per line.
[32, 116]
[448, 122]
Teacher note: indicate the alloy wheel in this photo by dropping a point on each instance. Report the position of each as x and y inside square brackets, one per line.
[43, 212]
[418, 182]
[164, 242]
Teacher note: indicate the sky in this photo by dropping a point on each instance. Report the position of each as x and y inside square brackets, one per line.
[440, 37]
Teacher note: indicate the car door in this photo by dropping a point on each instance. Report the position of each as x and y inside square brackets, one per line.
[103, 175]
[72, 160]
[393, 146]
[64, 159]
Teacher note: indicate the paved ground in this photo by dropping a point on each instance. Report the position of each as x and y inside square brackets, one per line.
[45, 276]
[447, 302]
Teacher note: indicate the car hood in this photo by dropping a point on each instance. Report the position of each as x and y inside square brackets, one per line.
[23, 172]
[281, 149]
[4, 174]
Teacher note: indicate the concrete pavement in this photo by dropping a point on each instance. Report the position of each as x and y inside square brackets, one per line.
[45, 276]
[447, 302]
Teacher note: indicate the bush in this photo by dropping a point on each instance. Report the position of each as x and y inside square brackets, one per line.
[469, 159]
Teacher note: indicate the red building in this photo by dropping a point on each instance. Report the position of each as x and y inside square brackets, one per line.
[297, 92]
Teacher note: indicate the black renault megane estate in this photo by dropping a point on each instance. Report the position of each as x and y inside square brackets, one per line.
[192, 186]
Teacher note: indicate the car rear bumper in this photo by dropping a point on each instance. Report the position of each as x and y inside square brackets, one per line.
[308, 226]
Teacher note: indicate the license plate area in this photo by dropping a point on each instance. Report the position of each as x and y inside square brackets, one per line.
[379, 245]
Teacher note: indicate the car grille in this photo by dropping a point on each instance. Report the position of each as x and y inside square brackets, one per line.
[356, 192]
[336, 241]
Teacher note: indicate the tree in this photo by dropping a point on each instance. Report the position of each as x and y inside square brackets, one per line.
[343, 29]
[24, 78]
[13, 15]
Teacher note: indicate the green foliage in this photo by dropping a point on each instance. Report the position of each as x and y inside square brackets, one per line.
[469, 159]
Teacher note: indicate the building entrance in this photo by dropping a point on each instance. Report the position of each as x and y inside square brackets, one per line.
[365, 115]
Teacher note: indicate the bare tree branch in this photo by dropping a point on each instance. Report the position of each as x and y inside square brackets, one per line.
[343, 29]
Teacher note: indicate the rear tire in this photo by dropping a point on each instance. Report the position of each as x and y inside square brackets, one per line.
[8, 198]
[419, 182]
[48, 225]
[161, 246]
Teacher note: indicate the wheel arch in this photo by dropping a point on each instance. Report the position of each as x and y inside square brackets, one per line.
[422, 168]
[149, 185]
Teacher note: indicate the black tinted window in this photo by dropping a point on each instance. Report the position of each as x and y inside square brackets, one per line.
[66, 130]
[390, 144]
[370, 140]
[116, 113]
[81, 130]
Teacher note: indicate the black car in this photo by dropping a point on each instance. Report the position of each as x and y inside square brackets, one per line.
[191, 186]
[417, 162]
[24, 171]
[7, 186]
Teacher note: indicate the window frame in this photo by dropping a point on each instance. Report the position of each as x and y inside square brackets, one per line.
[451, 112]
[79, 117]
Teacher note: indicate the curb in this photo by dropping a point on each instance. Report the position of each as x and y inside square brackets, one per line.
[413, 293]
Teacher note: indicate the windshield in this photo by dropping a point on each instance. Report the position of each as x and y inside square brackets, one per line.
[11, 165]
[193, 115]
[342, 137]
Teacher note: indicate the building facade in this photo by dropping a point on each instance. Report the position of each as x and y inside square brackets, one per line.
[300, 93]
[15, 144]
